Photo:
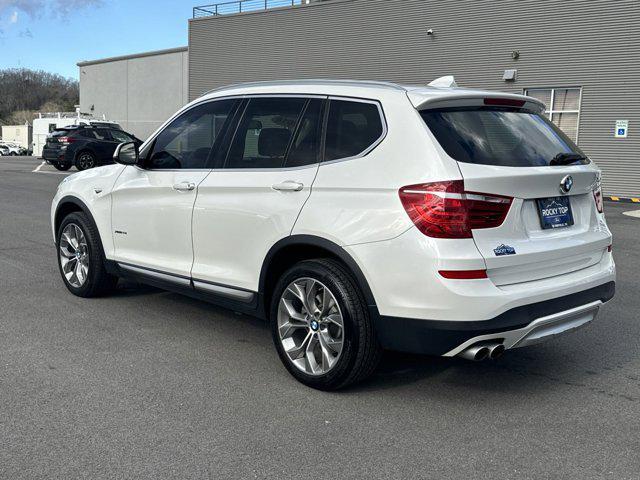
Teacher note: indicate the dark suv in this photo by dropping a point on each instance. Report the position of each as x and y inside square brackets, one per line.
[85, 146]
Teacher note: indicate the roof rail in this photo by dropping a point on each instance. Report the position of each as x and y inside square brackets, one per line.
[312, 81]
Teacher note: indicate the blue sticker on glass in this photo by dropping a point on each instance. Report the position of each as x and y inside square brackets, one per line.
[504, 250]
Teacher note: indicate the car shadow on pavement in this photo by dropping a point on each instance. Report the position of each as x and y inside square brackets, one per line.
[531, 370]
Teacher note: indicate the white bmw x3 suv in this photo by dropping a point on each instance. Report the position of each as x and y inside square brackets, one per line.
[354, 216]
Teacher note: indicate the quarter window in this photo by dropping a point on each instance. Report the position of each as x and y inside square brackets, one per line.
[187, 141]
[563, 107]
[352, 128]
[265, 132]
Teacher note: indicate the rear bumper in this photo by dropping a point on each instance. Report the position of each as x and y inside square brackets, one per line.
[519, 326]
[54, 155]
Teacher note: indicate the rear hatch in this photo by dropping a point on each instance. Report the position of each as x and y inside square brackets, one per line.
[514, 154]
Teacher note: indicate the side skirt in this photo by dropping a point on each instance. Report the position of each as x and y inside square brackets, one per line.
[238, 300]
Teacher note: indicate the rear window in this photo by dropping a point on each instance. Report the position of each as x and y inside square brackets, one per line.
[498, 136]
[61, 133]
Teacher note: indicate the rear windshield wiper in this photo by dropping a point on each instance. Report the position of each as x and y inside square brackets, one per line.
[567, 159]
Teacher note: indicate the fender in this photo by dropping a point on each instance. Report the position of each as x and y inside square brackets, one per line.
[333, 248]
[70, 200]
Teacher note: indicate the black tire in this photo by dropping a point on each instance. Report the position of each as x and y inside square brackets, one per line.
[61, 166]
[361, 351]
[85, 160]
[98, 282]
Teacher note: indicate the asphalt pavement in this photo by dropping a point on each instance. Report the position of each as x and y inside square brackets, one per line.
[149, 384]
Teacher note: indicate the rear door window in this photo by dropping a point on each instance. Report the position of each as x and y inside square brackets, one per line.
[306, 144]
[102, 134]
[498, 136]
[87, 133]
[265, 132]
[352, 128]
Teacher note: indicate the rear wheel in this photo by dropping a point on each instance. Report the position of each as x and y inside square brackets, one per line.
[85, 161]
[321, 326]
[81, 258]
[61, 166]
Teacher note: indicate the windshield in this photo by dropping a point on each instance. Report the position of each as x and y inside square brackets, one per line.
[499, 136]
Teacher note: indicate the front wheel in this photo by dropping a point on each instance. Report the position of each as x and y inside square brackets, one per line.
[321, 327]
[81, 258]
[85, 161]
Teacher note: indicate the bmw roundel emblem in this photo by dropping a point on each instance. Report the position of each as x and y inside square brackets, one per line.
[566, 184]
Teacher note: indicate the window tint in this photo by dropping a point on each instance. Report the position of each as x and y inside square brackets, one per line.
[120, 136]
[102, 134]
[498, 136]
[86, 133]
[186, 142]
[306, 144]
[264, 133]
[352, 128]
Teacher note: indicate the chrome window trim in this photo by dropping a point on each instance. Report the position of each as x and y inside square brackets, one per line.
[364, 153]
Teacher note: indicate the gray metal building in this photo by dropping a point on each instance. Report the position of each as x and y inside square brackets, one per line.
[581, 57]
[138, 91]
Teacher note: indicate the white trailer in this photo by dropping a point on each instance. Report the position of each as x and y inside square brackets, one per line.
[18, 134]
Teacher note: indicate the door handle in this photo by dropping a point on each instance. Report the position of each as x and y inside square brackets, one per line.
[288, 186]
[184, 186]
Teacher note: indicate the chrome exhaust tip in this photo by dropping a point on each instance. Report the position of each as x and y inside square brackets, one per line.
[483, 351]
[496, 351]
[475, 353]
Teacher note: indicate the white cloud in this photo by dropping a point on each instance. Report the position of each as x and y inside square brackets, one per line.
[14, 17]
[35, 8]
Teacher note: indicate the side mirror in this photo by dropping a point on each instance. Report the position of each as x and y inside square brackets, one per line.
[126, 154]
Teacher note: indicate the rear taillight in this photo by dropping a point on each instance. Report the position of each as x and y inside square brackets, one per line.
[66, 140]
[446, 210]
[597, 196]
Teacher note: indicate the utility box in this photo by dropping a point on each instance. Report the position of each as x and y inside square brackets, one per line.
[20, 134]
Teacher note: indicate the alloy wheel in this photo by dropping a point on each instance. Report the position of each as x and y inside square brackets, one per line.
[310, 326]
[86, 161]
[74, 255]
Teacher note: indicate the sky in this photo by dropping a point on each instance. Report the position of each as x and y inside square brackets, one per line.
[54, 35]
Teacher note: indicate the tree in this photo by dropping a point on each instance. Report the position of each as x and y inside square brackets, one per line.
[24, 92]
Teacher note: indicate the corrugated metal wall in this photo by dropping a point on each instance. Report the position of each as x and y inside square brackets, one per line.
[593, 44]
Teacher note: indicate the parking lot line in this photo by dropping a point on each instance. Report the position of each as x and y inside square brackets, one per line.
[37, 169]
[632, 213]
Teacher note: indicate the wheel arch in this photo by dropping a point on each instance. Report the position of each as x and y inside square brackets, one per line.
[67, 205]
[295, 248]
